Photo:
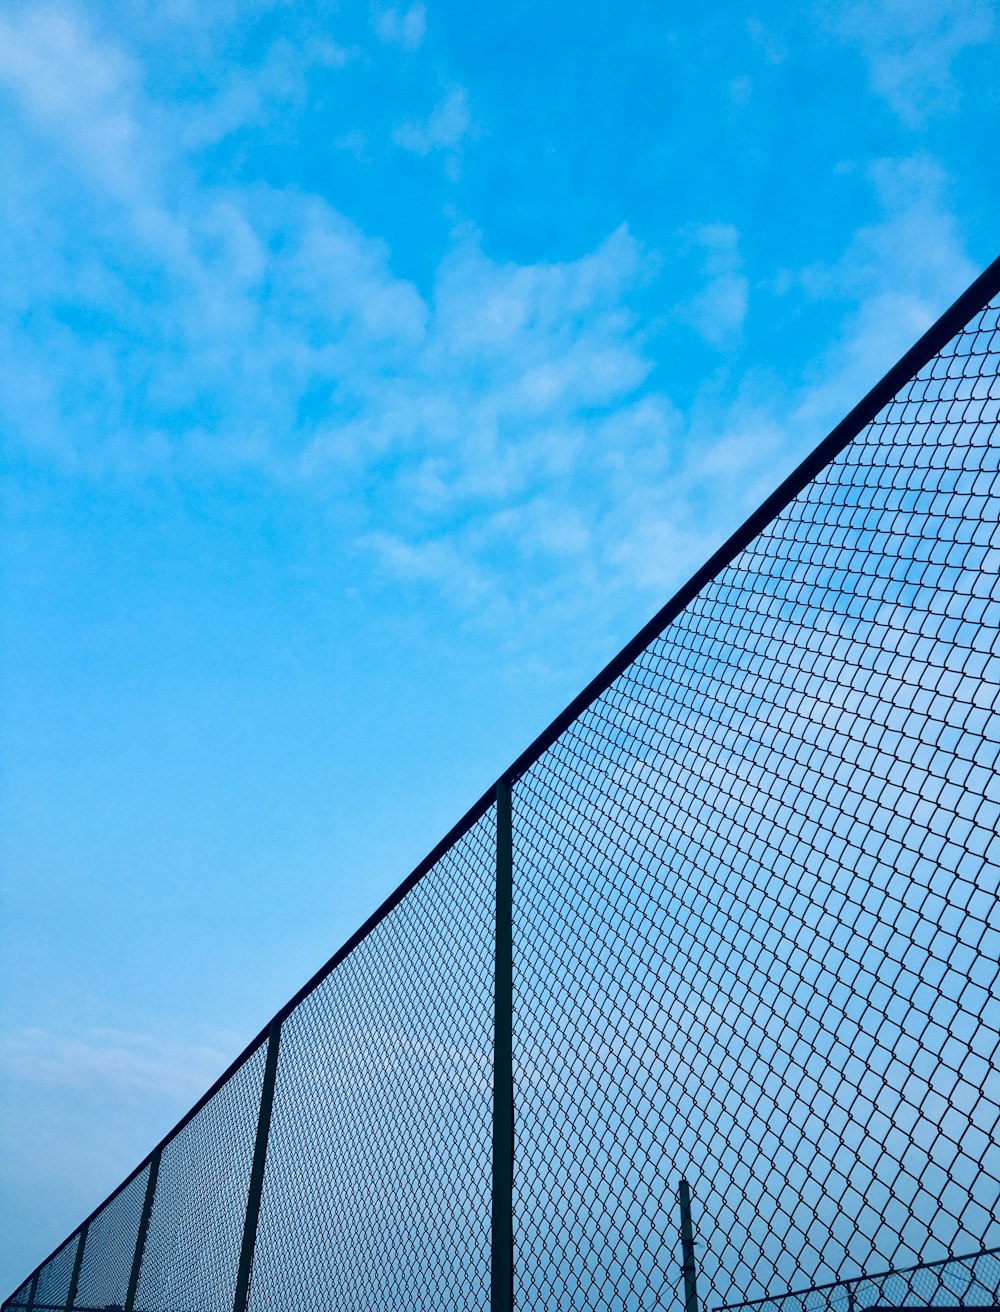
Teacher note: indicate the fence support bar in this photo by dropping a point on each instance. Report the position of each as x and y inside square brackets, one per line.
[256, 1189]
[502, 1254]
[140, 1239]
[74, 1280]
[32, 1292]
[687, 1250]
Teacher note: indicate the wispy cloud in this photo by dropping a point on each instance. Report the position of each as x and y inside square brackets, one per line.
[401, 27]
[444, 129]
[438, 563]
[55, 68]
[719, 309]
[892, 280]
[115, 1062]
[911, 48]
[503, 415]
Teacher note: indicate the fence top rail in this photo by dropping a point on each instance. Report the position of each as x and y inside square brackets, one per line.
[974, 299]
[848, 1281]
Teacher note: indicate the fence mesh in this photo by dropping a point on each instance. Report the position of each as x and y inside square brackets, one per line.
[110, 1248]
[20, 1297]
[971, 1282]
[755, 917]
[756, 946]
[54, 1278]
[377, 1192]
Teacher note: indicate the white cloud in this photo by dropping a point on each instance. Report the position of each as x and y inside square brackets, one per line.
[115, 1062]
[439, 563]
[508, 357]
[911, 48]
[505, 415]
[77, 87]
[402, 27]
[895, 277]
[719, 309]
[443, 130]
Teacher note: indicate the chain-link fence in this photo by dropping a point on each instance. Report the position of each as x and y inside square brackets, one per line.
[699, 1008]
[970, 1282]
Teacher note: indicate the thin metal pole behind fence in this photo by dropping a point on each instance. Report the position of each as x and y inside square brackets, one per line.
[140, 1238]
[502, 1254]
[256, 1189]
[687, 1250]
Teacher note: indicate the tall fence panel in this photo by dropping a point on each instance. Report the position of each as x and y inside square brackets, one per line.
[756, 929]
[701, 1006]
[192, 1250]
[20, 1297]
[54, 1279]
[377, 1189]
[110, 1249]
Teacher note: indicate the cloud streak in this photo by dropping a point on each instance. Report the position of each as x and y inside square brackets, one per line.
[114, 1062]
[401, 27]
[505, 413]
[912, 47]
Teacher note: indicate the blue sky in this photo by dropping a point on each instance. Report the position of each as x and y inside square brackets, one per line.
[368, 376]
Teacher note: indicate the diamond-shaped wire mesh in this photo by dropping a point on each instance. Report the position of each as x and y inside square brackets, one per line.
[966, 1282]
[756, 930]
[20, 1297]
[54, 1278]
[196, 1226]
[377, 1188]
[110, 1248]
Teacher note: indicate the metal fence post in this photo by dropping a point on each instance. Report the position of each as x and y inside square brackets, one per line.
[32, 1292]
[140, 1238]
[74, 1280]
[256, 1189]
[687, 1250]
[502, 1255]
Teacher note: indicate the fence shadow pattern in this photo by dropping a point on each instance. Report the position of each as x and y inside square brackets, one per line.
[751, 908]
